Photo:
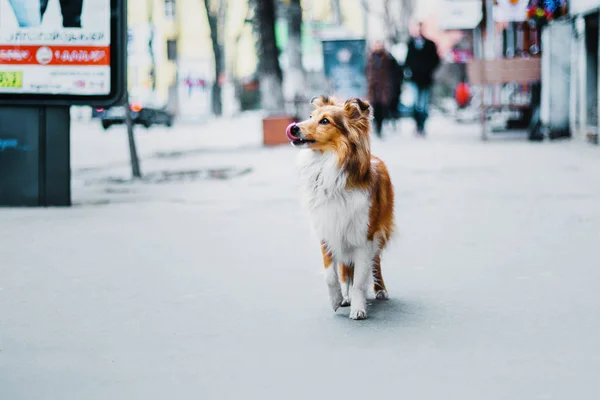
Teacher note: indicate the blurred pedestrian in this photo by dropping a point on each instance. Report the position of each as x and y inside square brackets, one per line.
[422, 60]
[397, 79]
[380, 82]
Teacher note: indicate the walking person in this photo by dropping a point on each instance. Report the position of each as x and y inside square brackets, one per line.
[379, 77]
[422, 60]
[396, 81]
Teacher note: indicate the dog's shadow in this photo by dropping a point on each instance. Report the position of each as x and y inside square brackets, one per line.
[393, 312]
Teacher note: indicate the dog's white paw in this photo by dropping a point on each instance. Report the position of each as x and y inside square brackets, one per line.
[382, 295]
[345, 302]
[358, 314]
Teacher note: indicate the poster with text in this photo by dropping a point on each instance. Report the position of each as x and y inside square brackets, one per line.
[344, 64]
[59, 47]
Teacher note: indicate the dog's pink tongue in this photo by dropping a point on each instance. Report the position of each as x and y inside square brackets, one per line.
[288, 131]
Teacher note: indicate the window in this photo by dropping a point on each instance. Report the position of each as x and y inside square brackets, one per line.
[170, 9]
[172, 50]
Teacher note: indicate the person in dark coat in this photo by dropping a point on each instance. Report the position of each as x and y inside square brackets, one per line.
[380, 83]
[397, 79]
[422, 60]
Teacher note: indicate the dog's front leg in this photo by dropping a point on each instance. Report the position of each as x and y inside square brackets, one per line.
[331, 278]
[363, 260]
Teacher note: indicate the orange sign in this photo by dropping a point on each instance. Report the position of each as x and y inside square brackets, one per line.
[55, 55]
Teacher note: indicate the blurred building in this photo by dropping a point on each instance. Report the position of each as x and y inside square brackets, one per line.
[171, 58]
[151, 27]
[582, 29]
[570, 84]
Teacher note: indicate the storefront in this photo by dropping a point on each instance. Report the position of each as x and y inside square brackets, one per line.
[584, 87]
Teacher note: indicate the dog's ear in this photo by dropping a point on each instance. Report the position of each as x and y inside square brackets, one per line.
[357, 108]
[322, 101]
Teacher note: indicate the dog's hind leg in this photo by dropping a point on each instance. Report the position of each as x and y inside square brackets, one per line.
[346, 277]
[378, 283]
[331, 278]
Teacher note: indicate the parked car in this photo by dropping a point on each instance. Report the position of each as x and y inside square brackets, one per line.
[140, 115]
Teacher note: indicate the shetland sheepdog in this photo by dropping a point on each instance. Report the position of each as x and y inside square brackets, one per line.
[349, 197]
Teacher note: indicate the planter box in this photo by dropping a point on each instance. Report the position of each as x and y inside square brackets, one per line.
[274, 130]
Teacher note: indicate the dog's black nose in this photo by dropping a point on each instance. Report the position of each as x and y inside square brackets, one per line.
[295, 130]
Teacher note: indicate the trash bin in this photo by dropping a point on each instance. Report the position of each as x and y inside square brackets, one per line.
[35, 156]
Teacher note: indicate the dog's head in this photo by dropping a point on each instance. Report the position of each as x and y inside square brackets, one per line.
[332, 126]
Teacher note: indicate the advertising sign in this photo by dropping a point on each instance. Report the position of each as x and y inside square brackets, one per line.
[460, 14]
[344, 64]
[66, 51]
[583, 6]
[510, 10]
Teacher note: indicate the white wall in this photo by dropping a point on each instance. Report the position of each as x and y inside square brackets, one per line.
[556, 76]
[580, 6]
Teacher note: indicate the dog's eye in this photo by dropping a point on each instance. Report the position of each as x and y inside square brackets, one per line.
[324, 121]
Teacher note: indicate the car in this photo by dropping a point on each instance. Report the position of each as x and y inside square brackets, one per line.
[140, 115]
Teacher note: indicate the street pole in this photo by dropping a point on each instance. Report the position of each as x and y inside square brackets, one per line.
[490, 29]
[489, 54]
[365, 19]
[135, 162]
[582, 75]
[336, 10]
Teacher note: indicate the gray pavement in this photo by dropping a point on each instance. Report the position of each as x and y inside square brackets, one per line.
[213, 289]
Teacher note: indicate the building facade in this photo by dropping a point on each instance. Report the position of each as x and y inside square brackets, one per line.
[585, 85]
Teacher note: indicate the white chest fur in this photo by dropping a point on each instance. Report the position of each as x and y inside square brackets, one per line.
[339, 216]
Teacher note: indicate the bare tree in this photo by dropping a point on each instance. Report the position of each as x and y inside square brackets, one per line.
[336, 10]
[236, 41]
[295, 78]
[216, 12]
[395, 17]
[269, 70]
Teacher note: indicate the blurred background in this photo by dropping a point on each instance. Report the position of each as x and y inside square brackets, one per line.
[196, 60]
[186, 267]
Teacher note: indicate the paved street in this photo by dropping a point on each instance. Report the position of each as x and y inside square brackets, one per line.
[213, 288]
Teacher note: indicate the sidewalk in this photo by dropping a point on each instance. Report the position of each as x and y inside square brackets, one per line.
[213, 288]
[93, 147]
[450, 149]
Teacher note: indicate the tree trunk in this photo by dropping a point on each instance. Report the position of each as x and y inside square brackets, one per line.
[336, 10]
[295, 80]
[269, 70]
[213, 23]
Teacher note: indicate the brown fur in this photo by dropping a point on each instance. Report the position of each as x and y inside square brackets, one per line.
[347, 134]
[378, 284]
[327, 256]
[382, 203]
[346, 272]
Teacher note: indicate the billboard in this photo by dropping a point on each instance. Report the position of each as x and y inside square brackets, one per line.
[344, 64]
[460, 14]
[67, 51]
[582, 6]
[510, 10]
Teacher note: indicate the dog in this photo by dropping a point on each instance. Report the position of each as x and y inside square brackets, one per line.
[349, 197]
